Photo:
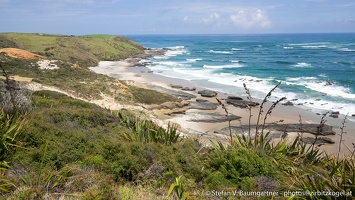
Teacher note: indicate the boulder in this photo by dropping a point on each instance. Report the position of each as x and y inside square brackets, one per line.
[207, 93]
[235, 98]
[170, 111]
[212, 117]
[241, 103]
[176, 86]
[320, 140]
[201, 100]
[289, 103]
[188, 88]
[334, 114]
[306, 128]
[203, 105]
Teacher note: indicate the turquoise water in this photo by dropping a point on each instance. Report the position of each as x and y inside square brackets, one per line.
[317, 71]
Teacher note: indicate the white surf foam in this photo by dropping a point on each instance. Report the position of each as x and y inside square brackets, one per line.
[236, 65]
[347, 50]
[172, 64]
[332, 90]
[302, 64]
[325, 87]
[235, 61]
[193, 59]
[314, 46]
[173, 51]
[220, 52]
[236, 49]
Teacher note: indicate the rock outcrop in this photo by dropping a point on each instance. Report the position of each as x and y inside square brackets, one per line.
[239, 102]
[207, 93]
[212, 117]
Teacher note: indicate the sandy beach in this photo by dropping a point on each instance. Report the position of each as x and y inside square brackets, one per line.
[131, 71]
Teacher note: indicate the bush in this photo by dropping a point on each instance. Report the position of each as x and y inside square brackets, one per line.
[234, 167]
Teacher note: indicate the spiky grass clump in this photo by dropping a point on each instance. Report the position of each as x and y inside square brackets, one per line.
[146, 131]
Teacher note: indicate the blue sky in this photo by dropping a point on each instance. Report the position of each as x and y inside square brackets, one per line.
[127, 17]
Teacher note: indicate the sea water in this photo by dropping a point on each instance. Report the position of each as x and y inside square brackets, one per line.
[316, 71]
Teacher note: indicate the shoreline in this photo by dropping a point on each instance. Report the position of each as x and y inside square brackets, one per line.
[133, 71]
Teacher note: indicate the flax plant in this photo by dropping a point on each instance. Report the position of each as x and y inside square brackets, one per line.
[249, 97]
[229, 120]
[341, 135]
[146, 131]
[179, 189]
[262, 124]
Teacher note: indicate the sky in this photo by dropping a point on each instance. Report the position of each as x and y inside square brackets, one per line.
[134, 17]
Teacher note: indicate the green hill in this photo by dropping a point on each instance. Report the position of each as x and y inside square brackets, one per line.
[73, 55]
[83, 50]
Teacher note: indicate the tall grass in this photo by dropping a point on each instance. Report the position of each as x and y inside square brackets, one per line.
[146, 131]
[10, 127]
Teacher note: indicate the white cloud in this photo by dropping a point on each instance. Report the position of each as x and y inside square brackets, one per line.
[250, 19]
[214, 18]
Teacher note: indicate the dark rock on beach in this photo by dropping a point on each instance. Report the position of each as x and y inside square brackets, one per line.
[201, 100]
[289, 103]
[188, 88]
[277, 130]
[307, 128]
[320, 140]
[168, 105]
[203, 105]
[235, 98]
[239, 102]
[207, 93]
[212, 117]
[176, 86]
[334, 114]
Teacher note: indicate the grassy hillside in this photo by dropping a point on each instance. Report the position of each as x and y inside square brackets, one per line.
[73, 55]
[84, 50]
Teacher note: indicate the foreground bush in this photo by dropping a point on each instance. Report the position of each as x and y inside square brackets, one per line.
[237, 167]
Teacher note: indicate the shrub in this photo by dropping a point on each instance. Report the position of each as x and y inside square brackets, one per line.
[236, 165]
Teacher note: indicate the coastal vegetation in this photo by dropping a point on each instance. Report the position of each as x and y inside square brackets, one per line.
[62, 147]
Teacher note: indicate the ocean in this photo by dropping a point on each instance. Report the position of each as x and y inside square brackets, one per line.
[316, 71]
